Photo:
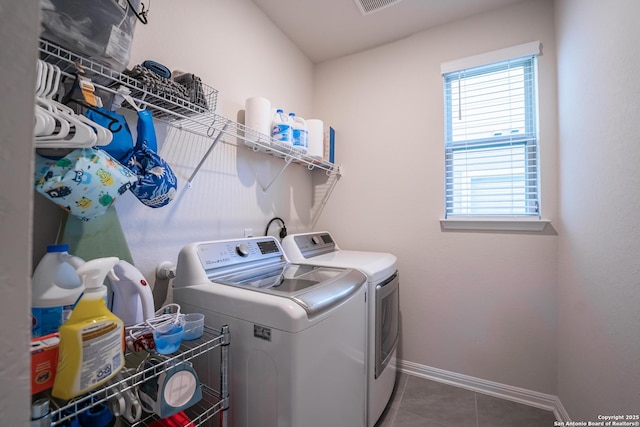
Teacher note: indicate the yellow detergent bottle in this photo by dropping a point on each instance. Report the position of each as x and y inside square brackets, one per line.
[91, 340]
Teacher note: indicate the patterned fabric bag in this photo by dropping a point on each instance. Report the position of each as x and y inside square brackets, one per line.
[85, 182]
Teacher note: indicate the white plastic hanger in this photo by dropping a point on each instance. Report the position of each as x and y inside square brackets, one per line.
[103, 135]
[45, 124]
[62, 125]
[40, 123]
[75, 130]
[42, 114]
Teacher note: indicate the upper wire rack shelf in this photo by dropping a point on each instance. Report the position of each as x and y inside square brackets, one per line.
[173, 99]
[197, 117]
[209, 124]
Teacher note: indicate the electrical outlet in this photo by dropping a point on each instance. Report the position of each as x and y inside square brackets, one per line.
[248, 232]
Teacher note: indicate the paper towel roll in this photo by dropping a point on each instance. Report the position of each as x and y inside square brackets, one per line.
[316, 138]
[258, 116]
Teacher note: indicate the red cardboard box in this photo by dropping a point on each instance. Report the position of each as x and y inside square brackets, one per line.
[44, 361]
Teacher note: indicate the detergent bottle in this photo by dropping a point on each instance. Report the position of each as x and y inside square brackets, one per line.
[281, 128]
[300, 132]
[90, 352]
[55, 287]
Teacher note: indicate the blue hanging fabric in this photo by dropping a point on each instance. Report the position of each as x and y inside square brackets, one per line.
[121, 146]
[146, 131]
[157, 185]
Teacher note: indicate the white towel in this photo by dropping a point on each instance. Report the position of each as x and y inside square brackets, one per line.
[258, 115]
[316, 138]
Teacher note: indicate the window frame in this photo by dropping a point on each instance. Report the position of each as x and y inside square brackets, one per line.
[529, 140]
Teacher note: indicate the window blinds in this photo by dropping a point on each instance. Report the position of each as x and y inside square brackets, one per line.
[491, 144]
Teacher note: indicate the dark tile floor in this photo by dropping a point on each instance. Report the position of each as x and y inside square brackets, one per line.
[418, 402]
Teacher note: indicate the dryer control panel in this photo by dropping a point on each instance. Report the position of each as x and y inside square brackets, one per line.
[314, 244]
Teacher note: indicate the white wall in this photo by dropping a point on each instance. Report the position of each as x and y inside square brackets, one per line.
[18, 29]
[480, 304]
[231, 45]
[599, 273]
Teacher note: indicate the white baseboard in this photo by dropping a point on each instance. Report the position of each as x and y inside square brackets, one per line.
[503, 391]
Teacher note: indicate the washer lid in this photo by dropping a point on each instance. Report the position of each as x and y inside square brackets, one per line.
[283, 278]
[314, 288]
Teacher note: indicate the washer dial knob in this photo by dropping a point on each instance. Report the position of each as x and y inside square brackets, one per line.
[243, 250]
[316, 240]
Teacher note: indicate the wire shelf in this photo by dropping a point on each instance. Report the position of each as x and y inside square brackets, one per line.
[208, 125]
[209, 406]
[196, 117]
[200, 98]
[212, 403]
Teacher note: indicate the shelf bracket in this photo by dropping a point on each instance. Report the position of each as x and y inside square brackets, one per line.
[206, 155]
[288, 160]
[325, 198]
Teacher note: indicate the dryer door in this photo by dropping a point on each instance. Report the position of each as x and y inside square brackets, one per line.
[387, 321]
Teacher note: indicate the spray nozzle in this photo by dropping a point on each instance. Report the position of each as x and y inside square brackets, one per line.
[95, 271]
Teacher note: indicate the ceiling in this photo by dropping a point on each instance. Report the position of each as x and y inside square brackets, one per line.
[326, 29]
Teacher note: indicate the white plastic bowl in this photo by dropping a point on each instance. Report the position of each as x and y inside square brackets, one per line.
[193, 326]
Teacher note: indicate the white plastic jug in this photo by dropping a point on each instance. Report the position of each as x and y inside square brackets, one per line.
[55, 287]
[281, 129]
[300, 132]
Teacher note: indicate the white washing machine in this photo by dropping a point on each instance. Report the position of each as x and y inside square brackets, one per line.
[297, 332]
[320, 249]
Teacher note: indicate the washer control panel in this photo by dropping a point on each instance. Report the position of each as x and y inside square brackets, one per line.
[242, 249]
[231, 252]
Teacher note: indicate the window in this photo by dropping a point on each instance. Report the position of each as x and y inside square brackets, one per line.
[491, 141]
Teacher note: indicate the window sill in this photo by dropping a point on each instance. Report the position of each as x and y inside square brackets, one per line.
[494, 224]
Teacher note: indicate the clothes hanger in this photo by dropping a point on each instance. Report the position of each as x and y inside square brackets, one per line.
[104, 136]
[39, 122]
[45, 123]
[60, 123]
[67, 124]
[79, 133]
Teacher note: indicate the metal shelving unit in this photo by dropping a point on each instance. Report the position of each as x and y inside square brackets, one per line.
[182, 113]
[213, 401]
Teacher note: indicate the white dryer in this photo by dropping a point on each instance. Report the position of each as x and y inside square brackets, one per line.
[319, 248]
[297, 332]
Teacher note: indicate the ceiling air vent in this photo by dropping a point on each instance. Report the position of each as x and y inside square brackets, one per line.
[368, 7]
